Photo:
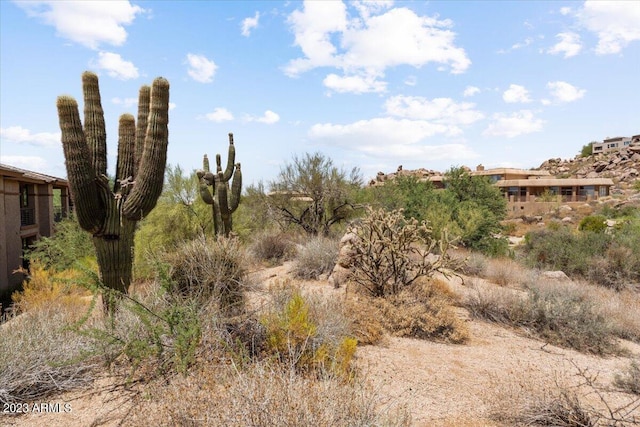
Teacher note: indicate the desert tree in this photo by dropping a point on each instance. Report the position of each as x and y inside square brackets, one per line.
[314, 194]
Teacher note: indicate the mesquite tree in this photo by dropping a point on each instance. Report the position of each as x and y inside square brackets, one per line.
[223, 200]
[110, 213]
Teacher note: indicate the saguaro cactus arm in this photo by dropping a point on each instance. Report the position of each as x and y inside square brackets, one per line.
[94, 127]
[144, 99]
[150, 175]
[81, 173]
[231, 159]
[236, 189]
[125, 165]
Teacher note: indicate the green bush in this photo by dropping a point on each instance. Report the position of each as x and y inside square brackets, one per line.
[61, 251]
[564, 250]
[469, 209]
[593, 223]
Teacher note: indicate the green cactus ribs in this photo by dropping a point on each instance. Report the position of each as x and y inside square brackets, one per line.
[110, 214]
[215, 191]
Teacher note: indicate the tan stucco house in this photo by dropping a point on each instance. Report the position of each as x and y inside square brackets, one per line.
[30, 204]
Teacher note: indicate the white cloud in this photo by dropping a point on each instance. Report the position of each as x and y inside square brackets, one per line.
[470, 91]
[565, 10]
[569, 44]
[250, 23]
[126, 102]
[32, 163]
[354, 84]
[201, 69]
[516, 93]
[115, 66]
[172, 106]
[219, 115]
[24, 136]
[388, 137]
[565, 92]
[89, 23]
[411, 81]
[269, 117]
[444, 111]
[518, 123]
[366, 45]
[518, 45]
[614, 22]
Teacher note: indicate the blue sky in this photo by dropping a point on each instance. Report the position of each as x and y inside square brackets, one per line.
[373, 84]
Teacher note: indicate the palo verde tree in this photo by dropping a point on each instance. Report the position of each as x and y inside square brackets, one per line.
[314, 194]
[223, 201]
[110, 213]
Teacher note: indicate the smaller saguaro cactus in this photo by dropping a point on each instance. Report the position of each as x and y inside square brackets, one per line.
[223, 200]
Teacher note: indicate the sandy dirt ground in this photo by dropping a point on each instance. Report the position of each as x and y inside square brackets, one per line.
[440, 384]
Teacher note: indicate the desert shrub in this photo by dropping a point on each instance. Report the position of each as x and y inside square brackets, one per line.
[564, 250]
[561, 314]
[422, 311]
[391, 252]
[316, 257]
[296, 339]
[49, 288]
[40, 356]
[629, 380]
[593, 223]
[365, 320]
[156, 333]
[68, 244]
[209, 268]
[272, 247]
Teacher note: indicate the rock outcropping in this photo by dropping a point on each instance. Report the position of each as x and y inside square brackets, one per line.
[622, 166]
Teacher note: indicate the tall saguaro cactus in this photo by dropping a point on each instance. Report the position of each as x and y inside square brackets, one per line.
[223, 200]
[110, 214]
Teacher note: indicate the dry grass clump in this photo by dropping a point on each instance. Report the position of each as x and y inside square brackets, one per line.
[423, 310]
[562, 410]
[272, 247]
[621, 308]
[504, 272]
[264, 394]
[209, 268]
[40, 357]
[474, 265]
[315, 257]
[577, 400]
[560, 313]
[366, 320]
[629, 380]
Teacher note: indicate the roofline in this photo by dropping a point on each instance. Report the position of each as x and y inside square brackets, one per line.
[30, 176]
[499, 171]
[553, 182]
